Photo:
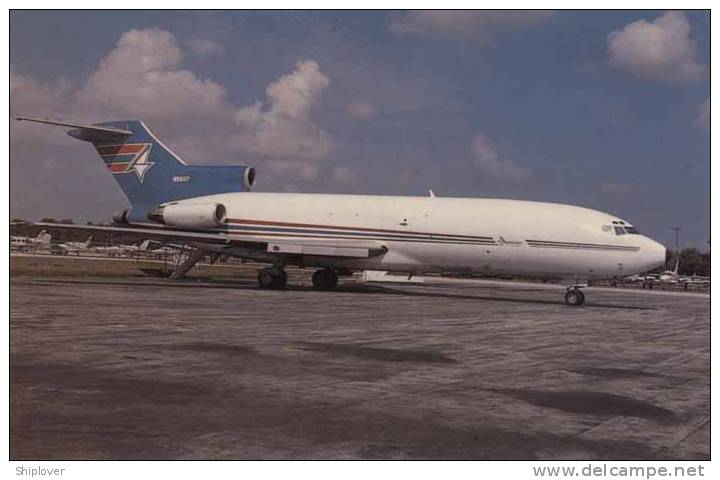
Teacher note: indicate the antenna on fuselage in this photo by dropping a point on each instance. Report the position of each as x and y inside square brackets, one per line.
[432, 194]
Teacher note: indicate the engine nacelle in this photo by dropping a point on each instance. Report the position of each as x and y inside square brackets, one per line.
[121, 217]
[198, 215]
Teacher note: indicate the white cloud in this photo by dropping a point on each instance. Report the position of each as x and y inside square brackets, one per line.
[360, 110]
[495, 166]
[28, 96]
[203, 46]
[661, 50]
[282, 126]
[613, 188]
[143, 77]
[475, 24]
[702, 119]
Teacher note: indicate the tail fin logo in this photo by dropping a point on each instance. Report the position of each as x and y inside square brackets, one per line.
[127, 158]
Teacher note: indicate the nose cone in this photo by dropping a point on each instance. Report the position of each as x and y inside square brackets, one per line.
[653, 253]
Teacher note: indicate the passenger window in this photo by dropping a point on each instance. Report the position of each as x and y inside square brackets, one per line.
[619, 231]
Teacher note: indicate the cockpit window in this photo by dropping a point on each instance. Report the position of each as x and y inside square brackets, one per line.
[607, 228]
[632, 230]
[619, 231]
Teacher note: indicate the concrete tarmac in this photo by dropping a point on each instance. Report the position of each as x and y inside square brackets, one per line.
[142, 368]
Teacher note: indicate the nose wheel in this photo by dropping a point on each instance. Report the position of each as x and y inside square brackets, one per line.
[574, 297]
[272, 278]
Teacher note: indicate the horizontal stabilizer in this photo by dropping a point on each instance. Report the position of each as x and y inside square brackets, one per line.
[81, 131]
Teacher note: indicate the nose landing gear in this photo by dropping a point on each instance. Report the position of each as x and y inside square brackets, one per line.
[574, 296]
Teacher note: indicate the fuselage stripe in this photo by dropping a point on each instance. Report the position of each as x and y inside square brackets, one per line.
[379, 236]
[590, 246]
[233, 221]
[341, 237]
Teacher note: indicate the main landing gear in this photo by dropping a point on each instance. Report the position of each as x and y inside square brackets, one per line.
[273, 278]
[574, 296]
[325, 279]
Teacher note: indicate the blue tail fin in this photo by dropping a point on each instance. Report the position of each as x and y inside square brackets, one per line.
[150, 173]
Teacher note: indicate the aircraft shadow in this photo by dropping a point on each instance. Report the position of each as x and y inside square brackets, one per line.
[346, 288]
[591, 403]
[491, 298]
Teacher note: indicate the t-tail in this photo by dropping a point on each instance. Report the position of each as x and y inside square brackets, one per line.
[149, 173]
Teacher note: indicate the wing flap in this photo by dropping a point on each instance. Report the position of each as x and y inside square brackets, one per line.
[339, 248]
[328, 250]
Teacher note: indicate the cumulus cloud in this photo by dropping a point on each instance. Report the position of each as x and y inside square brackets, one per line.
[702, 119]
[282, 126]
[203, 46]
[479, 25]
[613, 188]
[360, 110]
[143, 77]
[495, 166]
[661, 50]
[27, 96]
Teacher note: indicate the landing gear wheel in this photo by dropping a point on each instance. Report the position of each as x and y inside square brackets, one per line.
[325, 279]
[574, 297]
[272, 278]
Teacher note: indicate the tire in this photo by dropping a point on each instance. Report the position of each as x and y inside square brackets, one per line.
[325, 280]
[269, 278]
[574, 297]
[264, 278]
[279, 281]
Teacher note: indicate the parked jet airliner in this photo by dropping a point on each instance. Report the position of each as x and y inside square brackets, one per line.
[212, 209]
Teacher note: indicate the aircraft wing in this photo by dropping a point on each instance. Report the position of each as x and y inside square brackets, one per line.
[339, 248]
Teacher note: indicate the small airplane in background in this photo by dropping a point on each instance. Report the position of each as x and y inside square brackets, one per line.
[211, 210]
[25, 244]
[122, 250]
[72, 248]
[140, 247]
[109, 251]
[698, 280]
[670, 276]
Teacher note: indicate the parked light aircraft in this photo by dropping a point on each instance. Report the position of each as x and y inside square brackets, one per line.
[697, 280]
[110, 250]
[122, 250]
[212, 209]
[73, 247]
[671, 277]
[24, 244]
[141, 247]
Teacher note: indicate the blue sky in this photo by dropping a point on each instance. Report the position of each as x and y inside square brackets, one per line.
[536, 105]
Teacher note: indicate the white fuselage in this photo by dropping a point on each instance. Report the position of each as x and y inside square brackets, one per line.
[425, 234]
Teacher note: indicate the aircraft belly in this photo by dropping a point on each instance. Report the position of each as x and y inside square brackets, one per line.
[506, 260]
